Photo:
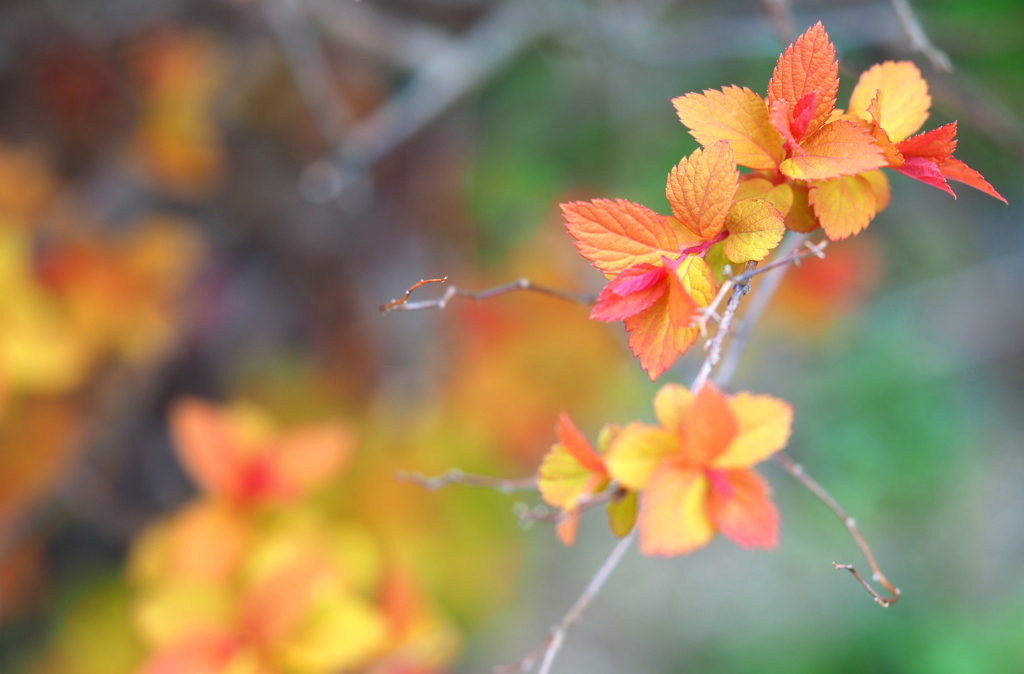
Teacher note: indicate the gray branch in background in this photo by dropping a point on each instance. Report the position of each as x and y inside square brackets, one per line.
[310, 66]
[441, 80]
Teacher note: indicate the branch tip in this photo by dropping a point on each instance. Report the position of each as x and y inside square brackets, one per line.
[819, 492]
[403, 303]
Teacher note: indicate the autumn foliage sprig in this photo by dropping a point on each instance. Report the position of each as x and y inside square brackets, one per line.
[812, 165]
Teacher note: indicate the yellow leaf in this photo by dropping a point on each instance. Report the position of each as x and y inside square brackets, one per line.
[844, 206]
[339, 633]
[674, 517]
[880, 186]
[801, 216]
[737, 115]
[562, 480]
[672, 405]
[905, 99]
[763, 427]
[755, 229]
[637, 452]
[166, 614]
[622, 512]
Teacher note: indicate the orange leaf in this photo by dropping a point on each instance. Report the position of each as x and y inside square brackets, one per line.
[203, 652]
[701, 188]
[763, 425]
[709, 429]
[740, 507]
[566, 527]
[653, 340]
[755, 228]
[577, 444]
[652, 337]
[737, 115]
[954, 169]
[904, 96]
[306, 458]
[682, 310]
[637, 452]
[615, 235]
[840, 148]
[844, 206]
[674, 518]
[205, 446]
[807, 66]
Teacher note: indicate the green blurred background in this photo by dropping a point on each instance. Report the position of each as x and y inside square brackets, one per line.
[323, 155]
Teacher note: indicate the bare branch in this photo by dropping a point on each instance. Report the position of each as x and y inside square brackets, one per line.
[456, 476]
[765, 292]
[735, 287]
[394, 304]
[543, 513]
[549, 648]
[918, 39]
[402, 304]
[794, 258]
[797, 471]
[440, 80]
[714, 345]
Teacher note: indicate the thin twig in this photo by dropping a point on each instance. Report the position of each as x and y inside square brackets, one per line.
[550, 647]
[793, 257]
[714, 345]
[402, 304]
[394, 304]
[528, 516]
[765, 292]
[797, 471]
[918, 38]
[456, 476]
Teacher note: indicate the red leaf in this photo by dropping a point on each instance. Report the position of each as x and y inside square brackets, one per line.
[954, 169]
[926, 171]
[741, 509]
[936, 144]
[629, 293]
[802, 112]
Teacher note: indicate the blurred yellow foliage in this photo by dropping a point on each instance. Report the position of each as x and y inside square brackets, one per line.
[178, 134]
